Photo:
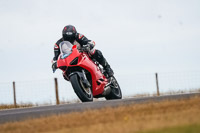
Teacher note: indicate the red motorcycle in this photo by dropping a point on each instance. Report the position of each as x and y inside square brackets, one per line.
[87, 77]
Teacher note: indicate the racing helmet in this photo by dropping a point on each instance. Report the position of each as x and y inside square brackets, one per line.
[69, 33]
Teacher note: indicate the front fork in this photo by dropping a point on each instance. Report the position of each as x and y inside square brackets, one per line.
[87, 83]
[82, 77]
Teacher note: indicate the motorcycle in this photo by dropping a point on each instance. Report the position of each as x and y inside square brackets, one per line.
[87, 77]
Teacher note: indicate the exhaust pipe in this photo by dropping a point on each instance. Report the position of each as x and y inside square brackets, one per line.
[106, 91]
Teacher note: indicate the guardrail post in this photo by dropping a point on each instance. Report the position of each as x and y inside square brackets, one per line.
[157, 85]
[14, 94]
[56, 89]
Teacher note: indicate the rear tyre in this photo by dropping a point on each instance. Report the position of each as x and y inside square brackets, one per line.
[115, 90]
[84, 94]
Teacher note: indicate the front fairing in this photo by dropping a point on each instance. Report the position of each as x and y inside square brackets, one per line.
[67, 60]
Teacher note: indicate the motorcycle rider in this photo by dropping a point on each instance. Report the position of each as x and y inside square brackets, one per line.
[70, 34]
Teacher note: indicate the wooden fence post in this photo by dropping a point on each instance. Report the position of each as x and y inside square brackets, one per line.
[14, 94]
[157, 85]
[56, 89]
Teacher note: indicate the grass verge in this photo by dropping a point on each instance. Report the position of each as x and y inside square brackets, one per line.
[191, 128]
[146, 117]
[4, 106]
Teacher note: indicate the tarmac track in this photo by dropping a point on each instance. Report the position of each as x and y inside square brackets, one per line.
[12, 115]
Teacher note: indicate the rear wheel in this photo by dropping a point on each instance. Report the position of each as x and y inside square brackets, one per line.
[115, 90]
[84, 93]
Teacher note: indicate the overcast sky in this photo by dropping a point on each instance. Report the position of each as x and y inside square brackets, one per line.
[135, 36]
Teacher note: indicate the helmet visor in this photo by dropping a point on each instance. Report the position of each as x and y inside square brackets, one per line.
[69, 38]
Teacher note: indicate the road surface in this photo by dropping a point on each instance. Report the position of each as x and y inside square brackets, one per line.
[11, 115]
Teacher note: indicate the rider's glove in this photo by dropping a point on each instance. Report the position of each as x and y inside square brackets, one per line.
[54, 65]
[86, 47]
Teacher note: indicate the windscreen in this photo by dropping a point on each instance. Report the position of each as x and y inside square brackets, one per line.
[65, 49]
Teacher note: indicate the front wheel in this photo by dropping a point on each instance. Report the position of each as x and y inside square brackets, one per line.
[115, 90]
[84, 93]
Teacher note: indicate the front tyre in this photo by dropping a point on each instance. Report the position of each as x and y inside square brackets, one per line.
[115, 90]
[84, 93]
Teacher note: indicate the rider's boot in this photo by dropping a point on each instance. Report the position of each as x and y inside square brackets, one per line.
[107, 68]
[98, 56]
